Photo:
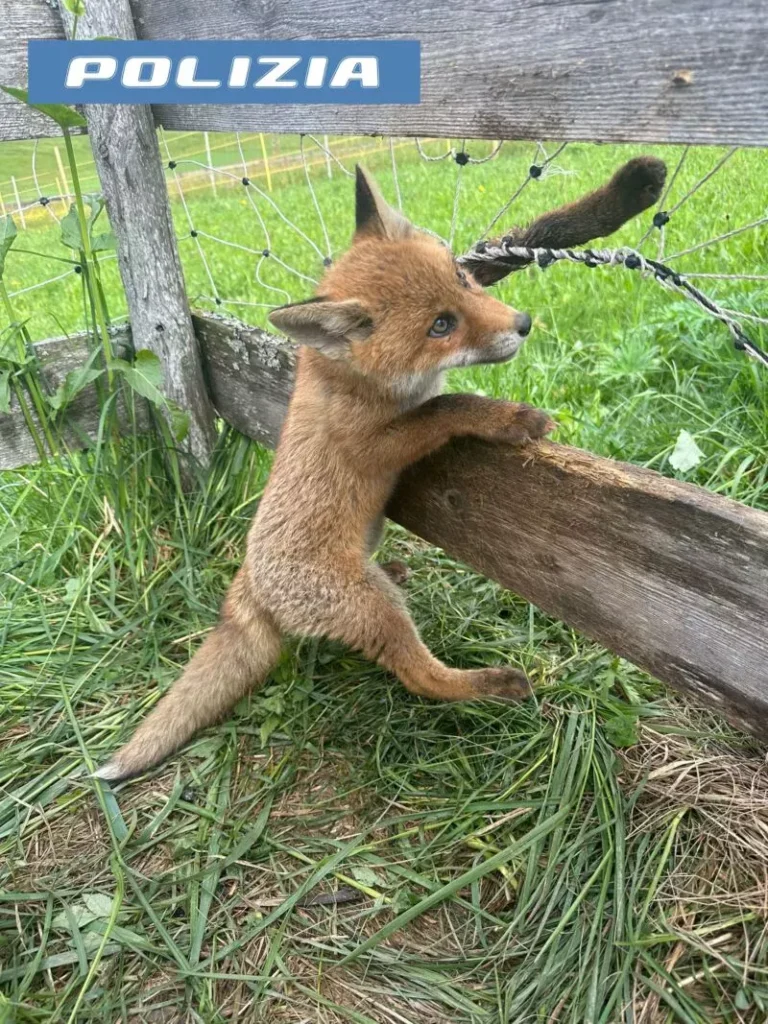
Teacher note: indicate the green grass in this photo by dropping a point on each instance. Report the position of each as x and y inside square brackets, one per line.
[597, 855]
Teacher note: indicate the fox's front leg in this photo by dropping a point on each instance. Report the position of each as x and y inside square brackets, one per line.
[431, 425]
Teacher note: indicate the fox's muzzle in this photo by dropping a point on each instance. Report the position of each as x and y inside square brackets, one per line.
[503, 348]
[505, 345]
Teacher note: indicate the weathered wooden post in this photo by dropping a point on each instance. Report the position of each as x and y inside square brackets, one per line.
[127, 157]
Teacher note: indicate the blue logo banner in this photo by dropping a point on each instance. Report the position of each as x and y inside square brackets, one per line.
[350, 71]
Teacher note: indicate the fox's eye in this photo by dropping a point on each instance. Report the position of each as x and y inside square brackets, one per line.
[443, 325]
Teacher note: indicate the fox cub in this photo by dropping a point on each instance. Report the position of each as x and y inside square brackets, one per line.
[389, 319]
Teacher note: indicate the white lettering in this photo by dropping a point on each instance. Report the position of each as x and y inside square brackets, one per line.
[316, 72]
[238, 74]
[155, 73]
[185, 76]
[364, 70]
[160, 72]
[273, 79]
[89, 69]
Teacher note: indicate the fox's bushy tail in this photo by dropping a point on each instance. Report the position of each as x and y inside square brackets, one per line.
[234, 658]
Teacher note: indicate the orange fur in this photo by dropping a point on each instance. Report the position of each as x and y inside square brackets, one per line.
[365, 405]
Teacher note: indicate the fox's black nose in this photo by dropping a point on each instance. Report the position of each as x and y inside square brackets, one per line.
[523, 324]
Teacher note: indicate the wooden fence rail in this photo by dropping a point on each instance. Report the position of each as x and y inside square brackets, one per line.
[79, 425]
[664, 573]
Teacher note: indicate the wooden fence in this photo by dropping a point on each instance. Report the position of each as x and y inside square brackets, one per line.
[664, 573]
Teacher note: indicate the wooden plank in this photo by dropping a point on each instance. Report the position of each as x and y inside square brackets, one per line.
[125, 148]
[79, 423]
[23, 20]
[249, 374]
[664, 573]
[693, 71]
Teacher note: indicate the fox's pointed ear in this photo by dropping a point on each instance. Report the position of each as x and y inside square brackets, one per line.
[374, 218]
[330, 327]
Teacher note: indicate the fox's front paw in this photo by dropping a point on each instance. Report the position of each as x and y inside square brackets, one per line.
[502, 683]
[519, 423]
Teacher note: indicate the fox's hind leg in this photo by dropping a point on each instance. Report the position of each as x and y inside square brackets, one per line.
[233, 659]
[371, 618]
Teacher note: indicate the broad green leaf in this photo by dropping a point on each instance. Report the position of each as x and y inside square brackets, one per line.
[95, 906]
[368, 877]
[125, 936]
[687, 454]
[10, 350]
[267, 728]
[98, 903]
[76, 7]
[91, 940]
[70, 229]
[8, 234]
[144, 375]
[104, 242]
[95, 202]
[5, 391]
[72, 385]
[80, 914]
[65, 117]
[70, 225]
[179, 422]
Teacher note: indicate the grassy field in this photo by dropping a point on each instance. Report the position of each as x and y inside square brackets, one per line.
[598, 855]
